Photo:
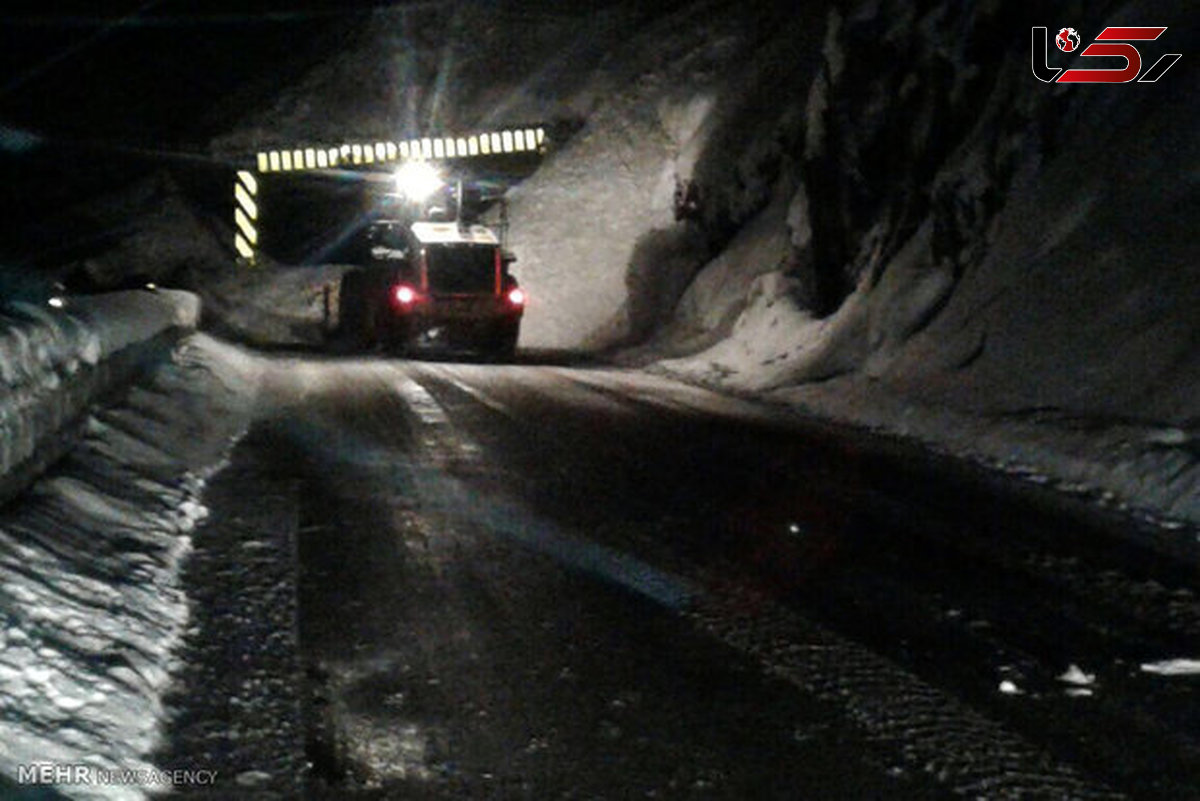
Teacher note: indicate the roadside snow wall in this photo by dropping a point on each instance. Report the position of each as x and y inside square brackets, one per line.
[54, 363]
[93, 608]
[88, 604]
[963, 253]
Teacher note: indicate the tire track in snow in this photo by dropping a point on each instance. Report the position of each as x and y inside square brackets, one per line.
[926, 730]
[445, 446]
[930, 731]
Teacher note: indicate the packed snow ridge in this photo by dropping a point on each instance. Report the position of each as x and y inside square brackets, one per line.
[91, 602]
[90, 606]
[51, 358]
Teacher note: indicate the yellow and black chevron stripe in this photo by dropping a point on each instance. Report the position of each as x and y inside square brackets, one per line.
[245, 215]
[245, 191]
[511, 140]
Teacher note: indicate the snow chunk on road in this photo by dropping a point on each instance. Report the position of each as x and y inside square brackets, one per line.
[1173, 667]
[1074, 675]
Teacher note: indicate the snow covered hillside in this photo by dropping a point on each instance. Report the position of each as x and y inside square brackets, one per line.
[963, 231]
[998, 265]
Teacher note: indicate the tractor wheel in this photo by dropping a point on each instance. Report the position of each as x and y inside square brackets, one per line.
[503, 344]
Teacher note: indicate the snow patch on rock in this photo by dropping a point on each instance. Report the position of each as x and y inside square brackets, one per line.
[1173, 667]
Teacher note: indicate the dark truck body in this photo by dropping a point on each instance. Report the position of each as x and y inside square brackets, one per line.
[432, 285]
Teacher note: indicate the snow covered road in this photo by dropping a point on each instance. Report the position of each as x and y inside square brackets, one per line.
[414, 579]
[544, 581]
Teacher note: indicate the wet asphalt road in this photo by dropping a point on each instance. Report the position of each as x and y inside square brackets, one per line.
[553, 582]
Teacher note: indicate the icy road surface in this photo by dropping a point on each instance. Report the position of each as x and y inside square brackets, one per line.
[543, 581]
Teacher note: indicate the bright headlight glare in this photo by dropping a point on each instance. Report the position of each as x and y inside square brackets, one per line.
[417, 180]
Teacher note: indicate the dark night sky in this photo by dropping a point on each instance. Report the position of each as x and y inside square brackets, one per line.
[150, 74]
[117, 90]
[117, 94]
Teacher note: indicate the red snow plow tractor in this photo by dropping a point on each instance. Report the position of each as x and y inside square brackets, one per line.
[431, 284]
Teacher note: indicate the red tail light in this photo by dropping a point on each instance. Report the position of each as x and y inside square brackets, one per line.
[404, 296]
[516, 297]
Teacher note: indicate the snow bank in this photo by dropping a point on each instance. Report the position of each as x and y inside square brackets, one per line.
[272, 304]
[680, 150]
[54, 362]
[1000, 267]
[169, 240]
[91, 605]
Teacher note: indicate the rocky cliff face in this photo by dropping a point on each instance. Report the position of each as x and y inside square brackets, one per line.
[1028, 241]
[966, 232]
[974, 250]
